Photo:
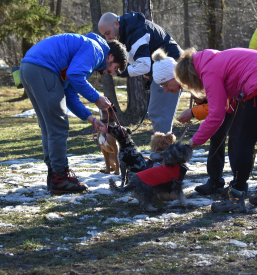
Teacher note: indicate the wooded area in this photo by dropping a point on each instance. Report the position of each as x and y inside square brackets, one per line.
[218, 24]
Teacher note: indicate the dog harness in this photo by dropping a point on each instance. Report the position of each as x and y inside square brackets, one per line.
[161, 174]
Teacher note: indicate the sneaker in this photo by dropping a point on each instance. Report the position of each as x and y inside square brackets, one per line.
[66, 182]
[207, 189]
[253, 199]
[234, 202]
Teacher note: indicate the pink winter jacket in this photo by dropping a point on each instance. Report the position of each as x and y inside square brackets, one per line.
[224, 75]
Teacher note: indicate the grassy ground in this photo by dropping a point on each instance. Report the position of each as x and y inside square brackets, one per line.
[32, 246]
[21, 137]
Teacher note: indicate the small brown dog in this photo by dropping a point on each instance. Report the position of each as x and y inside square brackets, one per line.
[159, 141]
[109, 146]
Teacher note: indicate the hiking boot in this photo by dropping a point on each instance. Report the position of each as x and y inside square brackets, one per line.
[224, 191]
[66, 182]
[207, 189]
[234, 202]
[253, 199]
[49, 178]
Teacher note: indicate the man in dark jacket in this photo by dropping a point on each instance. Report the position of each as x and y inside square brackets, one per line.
[54, 72]
[142, 37]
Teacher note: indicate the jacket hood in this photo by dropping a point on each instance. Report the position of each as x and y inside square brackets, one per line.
[202, 58]
[129, 22]
[102, 42]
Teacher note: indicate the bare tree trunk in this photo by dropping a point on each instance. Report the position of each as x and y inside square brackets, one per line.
[107, 80]
[52, 5]
[215, 10]
[137, 95]
[186, 24]
[58, 7]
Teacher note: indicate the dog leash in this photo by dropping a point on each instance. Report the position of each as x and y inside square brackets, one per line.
[117, 122]
[93, 127]
[188, 124]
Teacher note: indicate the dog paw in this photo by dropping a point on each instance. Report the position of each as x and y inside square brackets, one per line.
[105, 171]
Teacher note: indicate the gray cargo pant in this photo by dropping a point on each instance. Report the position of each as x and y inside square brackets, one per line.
[162, 108]
[46, 93]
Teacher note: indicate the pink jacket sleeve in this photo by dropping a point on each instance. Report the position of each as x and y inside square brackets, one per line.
[217, 99]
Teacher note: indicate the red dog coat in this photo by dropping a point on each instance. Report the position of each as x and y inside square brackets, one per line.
[158, 175]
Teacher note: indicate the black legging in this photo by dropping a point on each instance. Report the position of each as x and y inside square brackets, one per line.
[216, 157]
[246, 140]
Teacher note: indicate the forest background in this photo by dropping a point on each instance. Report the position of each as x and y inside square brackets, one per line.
[216, 24]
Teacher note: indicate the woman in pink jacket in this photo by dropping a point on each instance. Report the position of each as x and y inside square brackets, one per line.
[230, 74]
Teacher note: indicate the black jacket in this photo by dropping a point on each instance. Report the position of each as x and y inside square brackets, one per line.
[142, 37]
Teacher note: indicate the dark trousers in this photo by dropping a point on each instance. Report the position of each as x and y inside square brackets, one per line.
[216, 157]
[246, 140]
[47, 96]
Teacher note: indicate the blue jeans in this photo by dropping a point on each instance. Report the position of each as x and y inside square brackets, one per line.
[162, 108]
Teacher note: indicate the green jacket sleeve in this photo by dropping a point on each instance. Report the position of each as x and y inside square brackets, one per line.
[253, 42]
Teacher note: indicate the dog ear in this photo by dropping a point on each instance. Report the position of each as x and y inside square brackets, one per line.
[129, 131]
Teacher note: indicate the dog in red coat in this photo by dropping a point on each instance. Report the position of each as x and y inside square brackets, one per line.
[163, 182]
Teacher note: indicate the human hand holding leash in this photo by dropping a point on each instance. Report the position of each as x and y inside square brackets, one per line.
[185, 116]
[103, 103]
[98, 125]
[192, 144]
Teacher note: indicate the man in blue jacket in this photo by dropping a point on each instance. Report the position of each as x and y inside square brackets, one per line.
[142, 37]
[54, 72]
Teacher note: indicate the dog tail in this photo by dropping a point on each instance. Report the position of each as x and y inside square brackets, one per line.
[121, 190]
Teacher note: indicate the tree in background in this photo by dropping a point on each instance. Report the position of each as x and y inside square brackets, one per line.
[186, 25]
[32, 20]
[28, 20]
[137, 95]
[107, 80]
[214, 12]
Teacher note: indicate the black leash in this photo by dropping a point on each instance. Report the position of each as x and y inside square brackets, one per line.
[143, 117]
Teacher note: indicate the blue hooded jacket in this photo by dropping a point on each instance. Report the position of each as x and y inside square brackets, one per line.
[74, 58]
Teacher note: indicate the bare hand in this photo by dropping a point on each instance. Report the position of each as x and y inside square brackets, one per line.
[98, 125]
[145, 76]
[192, 144]
[185, 116]
[103, 103]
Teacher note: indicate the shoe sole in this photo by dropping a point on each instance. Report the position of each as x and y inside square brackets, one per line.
[206, 193]
[229, 209]
[63, 191]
